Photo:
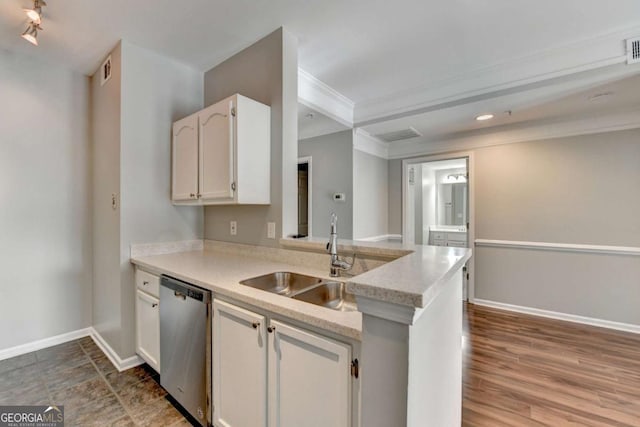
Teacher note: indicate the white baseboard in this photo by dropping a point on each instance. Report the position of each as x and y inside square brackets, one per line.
[626, 327]
[18, 350]
[120, 364]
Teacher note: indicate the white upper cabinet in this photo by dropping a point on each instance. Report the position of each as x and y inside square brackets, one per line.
[222, 154]
[185, 159]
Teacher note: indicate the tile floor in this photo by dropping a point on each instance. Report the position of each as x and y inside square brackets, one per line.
[79, 376]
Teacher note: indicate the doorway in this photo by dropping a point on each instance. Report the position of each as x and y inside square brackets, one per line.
[438, 207]
[304, 197]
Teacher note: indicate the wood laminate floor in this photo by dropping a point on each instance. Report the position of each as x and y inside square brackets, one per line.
[524, 370]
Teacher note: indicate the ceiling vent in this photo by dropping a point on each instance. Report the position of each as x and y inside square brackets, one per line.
[633, 50]
[399, 135]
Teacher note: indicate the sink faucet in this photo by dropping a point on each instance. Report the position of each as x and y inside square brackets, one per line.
[337, 264]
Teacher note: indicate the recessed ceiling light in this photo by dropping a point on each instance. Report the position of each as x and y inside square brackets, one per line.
[484, 117]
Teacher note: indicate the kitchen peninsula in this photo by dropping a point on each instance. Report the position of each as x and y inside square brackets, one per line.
[402, 346]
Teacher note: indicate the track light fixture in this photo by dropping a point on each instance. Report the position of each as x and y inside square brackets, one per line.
[35, 19]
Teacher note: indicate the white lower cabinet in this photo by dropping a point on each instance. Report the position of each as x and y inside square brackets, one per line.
[276, 375]
[239, 371]
[309, 379]
[148, 328]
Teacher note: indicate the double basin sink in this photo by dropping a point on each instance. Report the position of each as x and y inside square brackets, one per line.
[314, 290]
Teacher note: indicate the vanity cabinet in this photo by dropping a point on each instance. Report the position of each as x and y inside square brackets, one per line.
[222, 154]
[148, 318]
[456, 239]
[270, 373]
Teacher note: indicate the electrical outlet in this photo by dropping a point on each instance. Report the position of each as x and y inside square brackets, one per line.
[233, 228]
[271, 230]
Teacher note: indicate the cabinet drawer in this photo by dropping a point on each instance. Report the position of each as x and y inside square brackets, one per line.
[148, 283]
[457, 237]
[439, 242]
[437, 235]
[457, 244]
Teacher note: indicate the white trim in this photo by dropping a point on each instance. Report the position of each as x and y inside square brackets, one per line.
[321, 97]
[120, 364]
[471, 170]
[308, 160]
[382, 237]
[540, 131]
[44, 343]
[367, 143]
[404, 314]
[618, 326]
[562, 247]
[589, 54]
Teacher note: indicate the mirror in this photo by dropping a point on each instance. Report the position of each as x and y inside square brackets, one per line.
[452, 206]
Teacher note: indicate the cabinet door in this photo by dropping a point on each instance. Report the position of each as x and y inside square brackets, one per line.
[309, 379]
[239, 367]
[184, 171]
[148, 329]
[216, 151]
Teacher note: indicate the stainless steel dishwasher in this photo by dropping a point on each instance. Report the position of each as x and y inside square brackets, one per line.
[185, 346]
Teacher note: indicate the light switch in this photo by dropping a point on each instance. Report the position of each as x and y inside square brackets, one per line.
[271, 230]
[233, 228]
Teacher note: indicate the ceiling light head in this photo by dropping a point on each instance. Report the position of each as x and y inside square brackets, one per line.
[35, 13]
[31, 33]
[483, 117]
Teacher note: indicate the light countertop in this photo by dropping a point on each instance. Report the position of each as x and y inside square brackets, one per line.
[221, 273]
[414, 278]
[413, 275]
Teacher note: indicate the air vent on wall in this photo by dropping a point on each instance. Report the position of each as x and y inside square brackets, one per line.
[399, 135]
[633, 50]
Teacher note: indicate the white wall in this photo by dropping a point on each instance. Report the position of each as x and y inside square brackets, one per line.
[156, 91]
[370, 195]
[45, 255]
[332, 172]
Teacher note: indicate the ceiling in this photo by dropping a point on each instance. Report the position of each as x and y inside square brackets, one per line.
[520, 108]
[369, 51]
[364, 49]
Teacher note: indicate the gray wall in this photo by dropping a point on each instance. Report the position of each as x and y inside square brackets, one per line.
[370, 195]
[45, 255]
[332, 170]
[105, 120]
[267, 72]
[132, 116]
[395, 196]
[580, 190]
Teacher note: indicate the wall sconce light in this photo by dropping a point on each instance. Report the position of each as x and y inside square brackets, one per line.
[35, 19]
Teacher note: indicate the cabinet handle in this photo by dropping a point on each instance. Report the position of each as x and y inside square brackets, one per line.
[145, 283]
[192, 195]
[154, 305]
[255, 325]
[271, 329]
[233, 186]
[199, 195]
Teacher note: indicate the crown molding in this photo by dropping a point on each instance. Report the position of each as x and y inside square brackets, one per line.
[367, 143]
[542, 130]
[319, 96]
[600, 51]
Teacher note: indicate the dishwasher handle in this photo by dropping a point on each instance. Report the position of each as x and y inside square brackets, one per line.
[185, 290]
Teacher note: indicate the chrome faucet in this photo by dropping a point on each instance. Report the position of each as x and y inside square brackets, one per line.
[337, 264]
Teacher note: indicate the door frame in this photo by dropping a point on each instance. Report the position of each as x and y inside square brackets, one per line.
[308, 161]
[471, 230]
